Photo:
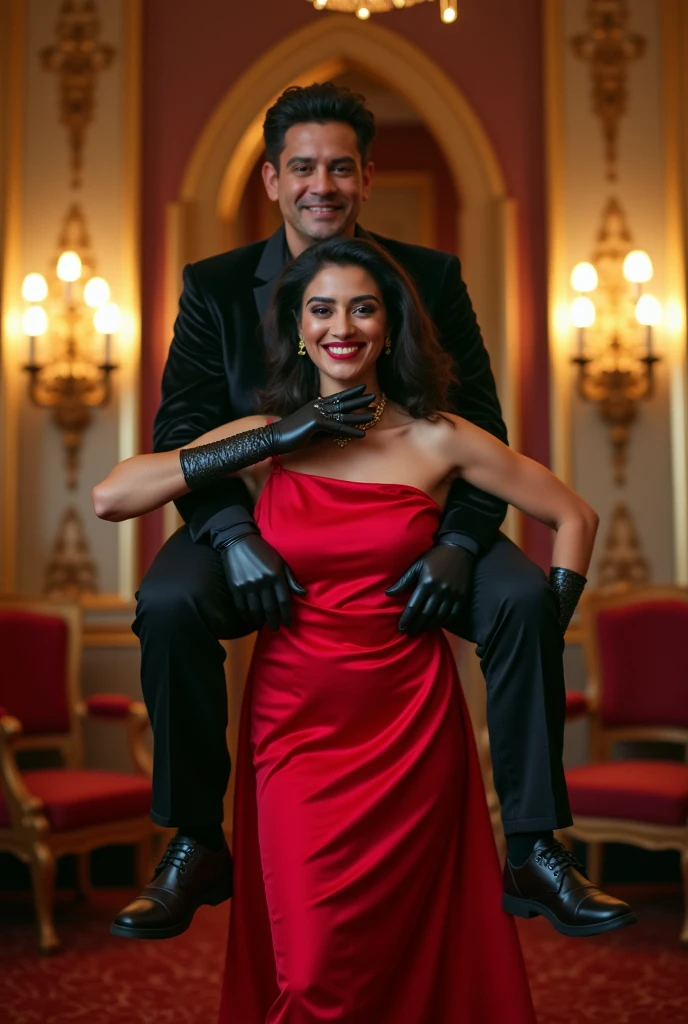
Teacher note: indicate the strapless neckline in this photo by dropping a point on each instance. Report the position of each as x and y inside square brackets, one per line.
[359, 483]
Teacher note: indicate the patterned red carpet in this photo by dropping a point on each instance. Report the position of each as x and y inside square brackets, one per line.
[636, 976]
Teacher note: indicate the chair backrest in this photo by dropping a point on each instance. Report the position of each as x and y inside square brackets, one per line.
[40, 659]
[636, 645]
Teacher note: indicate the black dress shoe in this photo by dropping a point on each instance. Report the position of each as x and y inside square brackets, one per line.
[187, 877]
[552, 883]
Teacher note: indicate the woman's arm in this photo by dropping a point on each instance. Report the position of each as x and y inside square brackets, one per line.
[488, 464]
[145, 482]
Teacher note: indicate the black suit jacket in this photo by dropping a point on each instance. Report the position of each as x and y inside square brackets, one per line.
[216, 363]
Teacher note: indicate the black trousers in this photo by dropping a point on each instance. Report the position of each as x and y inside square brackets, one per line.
[184, 609]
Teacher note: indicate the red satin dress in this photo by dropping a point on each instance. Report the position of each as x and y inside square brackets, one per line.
[367, 884]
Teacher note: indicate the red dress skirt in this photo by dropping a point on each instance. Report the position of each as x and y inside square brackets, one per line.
[367, 884]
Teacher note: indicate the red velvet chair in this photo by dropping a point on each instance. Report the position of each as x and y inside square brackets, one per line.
[636, 650]
[48, 812]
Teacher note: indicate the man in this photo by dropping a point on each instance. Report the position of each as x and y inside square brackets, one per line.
[216, 578]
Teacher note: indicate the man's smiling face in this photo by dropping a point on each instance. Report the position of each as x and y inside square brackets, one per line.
[320, 184]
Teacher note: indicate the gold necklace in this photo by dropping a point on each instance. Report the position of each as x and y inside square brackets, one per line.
[377, 413]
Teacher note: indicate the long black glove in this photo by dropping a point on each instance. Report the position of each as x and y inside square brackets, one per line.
[568, 586]
[334, 415]
[259, 579]
[442, 579]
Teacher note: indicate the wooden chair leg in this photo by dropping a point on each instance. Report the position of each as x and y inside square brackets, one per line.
[43, 883]
[143, 861]
[594, 861]
[83, 875]
[684, 871]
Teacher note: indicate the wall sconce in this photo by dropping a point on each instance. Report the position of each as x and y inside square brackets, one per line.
[70, 380]
[617, 372]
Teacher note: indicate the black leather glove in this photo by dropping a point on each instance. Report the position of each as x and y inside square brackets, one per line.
[442, 579]
[206, 463]
[568, 586]
[259, 580]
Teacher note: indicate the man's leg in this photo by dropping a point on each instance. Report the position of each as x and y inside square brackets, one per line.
[183, 610]
[513, 619]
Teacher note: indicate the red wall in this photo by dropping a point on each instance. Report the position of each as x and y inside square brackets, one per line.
[193, 52]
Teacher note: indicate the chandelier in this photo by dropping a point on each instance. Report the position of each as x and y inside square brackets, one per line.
[364, 8]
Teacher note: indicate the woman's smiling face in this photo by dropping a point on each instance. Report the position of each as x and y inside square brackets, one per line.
[343, 323]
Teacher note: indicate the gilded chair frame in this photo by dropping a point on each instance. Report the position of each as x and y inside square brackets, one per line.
[29, 836]
[596, 831]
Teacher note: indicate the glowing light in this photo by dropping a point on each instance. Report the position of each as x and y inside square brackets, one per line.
[582, 312]
[637, 267]
[399, 4]
[34, 321]
[34, 288]
[448, 11]
[362, 12]
[648, 311]
[69, 267]
[584, 278]
[108, 319]
[320, 5]
[96, 292]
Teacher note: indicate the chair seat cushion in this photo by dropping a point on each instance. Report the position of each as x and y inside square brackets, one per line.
[76, 799]
[651, 791]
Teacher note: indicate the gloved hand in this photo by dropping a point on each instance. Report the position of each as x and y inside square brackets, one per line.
[205, 463]
[331, 415]
[259, 580]
[442, 579]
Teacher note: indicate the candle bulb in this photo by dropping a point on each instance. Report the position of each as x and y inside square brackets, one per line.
[108, 320]
[34, 323]
[648, 312]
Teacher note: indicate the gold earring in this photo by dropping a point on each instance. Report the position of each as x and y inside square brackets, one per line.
[302, 346]
[388, 346]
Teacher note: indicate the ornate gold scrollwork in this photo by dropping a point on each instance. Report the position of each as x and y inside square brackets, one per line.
[78, 57]
[609, 48]
[623, 560]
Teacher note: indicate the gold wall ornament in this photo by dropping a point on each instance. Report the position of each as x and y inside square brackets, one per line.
[77, 58]
[609, 48]
[623, 560]
[74, 376]
[71, 571]
[615, 357]
[364, 8]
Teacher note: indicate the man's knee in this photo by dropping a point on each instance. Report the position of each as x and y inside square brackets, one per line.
[510, 588]
[179, 592]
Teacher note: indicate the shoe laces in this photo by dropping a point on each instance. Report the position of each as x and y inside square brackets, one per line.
[178, 854]
[557, 858]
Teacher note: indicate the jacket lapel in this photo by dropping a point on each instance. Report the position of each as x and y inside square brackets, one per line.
[275, 255]
[271, 262]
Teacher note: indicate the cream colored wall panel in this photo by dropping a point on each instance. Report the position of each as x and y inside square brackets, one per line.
[109, 204]
[640, 187]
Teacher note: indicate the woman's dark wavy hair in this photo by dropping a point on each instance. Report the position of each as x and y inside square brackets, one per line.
[418, 375]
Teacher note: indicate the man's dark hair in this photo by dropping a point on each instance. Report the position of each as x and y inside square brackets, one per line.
[321, 103]
[418, 374]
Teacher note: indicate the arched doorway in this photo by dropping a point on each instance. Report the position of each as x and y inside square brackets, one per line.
[205, 217]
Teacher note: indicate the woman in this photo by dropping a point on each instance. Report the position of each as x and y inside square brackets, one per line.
[367, 887]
